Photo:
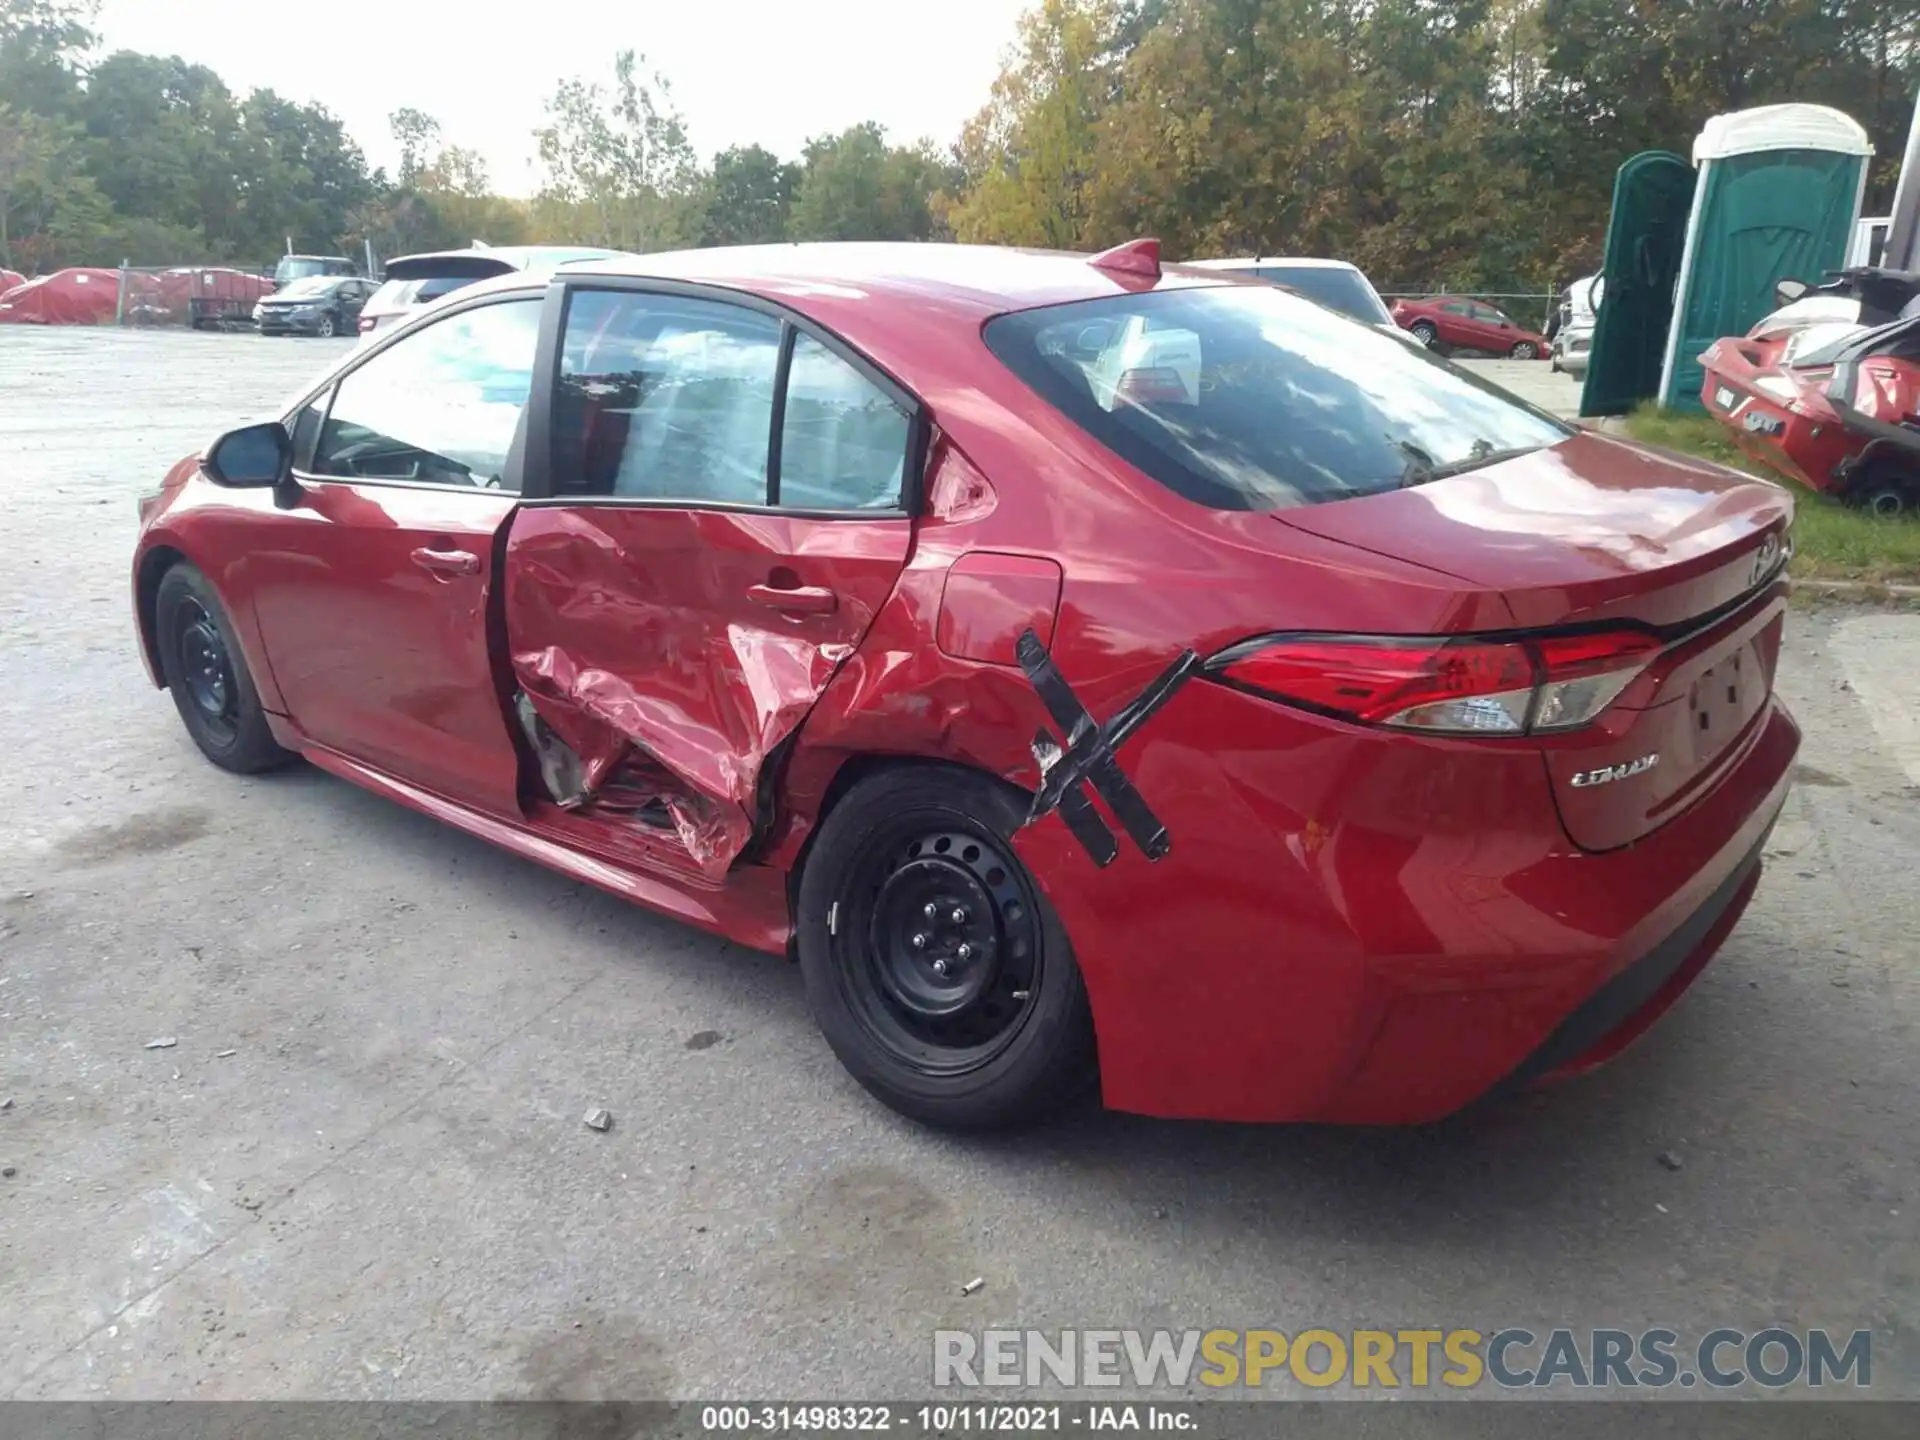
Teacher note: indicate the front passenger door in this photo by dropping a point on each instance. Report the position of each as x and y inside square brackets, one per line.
[373, 591]
[726, 509]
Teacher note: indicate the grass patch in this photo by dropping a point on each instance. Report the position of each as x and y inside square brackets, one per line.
[1831, 541]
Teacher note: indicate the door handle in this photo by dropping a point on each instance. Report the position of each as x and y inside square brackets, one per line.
[447, 562]
[802, 599]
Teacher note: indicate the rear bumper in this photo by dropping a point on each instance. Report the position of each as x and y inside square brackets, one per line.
[1365, 931]
[1802, 446]
[278, 326]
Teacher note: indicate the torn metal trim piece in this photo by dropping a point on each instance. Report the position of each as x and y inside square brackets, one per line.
[1088, 757]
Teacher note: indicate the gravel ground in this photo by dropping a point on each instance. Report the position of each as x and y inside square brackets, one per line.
[361, 1170]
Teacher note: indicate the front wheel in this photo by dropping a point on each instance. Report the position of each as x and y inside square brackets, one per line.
[207, 676]
[328, 327]
[1424, 332]
[934, 966]
[1525, 350]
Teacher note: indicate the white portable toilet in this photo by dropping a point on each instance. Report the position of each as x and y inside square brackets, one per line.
[1778, 191]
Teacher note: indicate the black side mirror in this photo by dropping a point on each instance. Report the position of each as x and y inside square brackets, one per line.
[1788, 291]
[254, 457]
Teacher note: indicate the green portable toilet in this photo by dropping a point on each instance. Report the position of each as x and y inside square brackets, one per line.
[1646, 234]
[1779, 188]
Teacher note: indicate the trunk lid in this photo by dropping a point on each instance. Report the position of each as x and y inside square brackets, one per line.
[1598, 531]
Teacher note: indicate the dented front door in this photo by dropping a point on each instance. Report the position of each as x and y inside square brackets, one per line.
[724, 515]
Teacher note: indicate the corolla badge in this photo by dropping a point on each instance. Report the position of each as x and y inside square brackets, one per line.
[1607, 774]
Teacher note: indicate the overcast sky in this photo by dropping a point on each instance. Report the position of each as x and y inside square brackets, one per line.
[742, 70]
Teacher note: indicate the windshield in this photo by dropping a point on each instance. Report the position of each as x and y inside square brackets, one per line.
[294, 267]
[1334, 286]
[310, 286]
[1243, 397]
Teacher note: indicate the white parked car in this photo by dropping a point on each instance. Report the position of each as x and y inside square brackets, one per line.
[415, 280]
[1579, 313]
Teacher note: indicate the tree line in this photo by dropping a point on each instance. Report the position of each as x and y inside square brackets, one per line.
[1461, 143]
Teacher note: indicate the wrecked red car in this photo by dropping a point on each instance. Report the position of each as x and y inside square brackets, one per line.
[1079, 667]
[1827, 389]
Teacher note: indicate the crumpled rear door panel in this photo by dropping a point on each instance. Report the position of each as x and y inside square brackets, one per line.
[659, 664]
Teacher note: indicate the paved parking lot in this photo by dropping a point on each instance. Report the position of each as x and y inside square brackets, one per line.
[361, 1171]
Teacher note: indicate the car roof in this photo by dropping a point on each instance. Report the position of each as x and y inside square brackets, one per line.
[977, 281]
[916, 310]
[1303, 262]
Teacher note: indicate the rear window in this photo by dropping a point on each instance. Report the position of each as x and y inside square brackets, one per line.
[1334, 286]
[1241, 397]
[399, 294]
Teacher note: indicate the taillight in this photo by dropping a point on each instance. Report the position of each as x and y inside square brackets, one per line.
[367, 322]
[1447, 686]
[1150, 385]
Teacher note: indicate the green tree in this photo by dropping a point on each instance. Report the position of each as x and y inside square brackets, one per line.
[1033, 155]
[40, 44]
[854, 186]
[50, 212]
[747, 197]
[619, 170]
[418, 135]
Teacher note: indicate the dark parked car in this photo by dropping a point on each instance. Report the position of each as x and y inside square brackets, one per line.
[323, 305]
[1453, 322]
[1040, 648]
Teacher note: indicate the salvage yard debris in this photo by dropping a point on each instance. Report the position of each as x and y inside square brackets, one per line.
[598, 1120]
[165, 1042]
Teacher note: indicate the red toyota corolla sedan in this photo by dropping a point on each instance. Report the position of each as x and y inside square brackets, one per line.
[1452, 322]
[1075, 665]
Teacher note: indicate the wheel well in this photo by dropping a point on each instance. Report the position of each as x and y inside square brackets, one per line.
[852, 771]
[153, 568]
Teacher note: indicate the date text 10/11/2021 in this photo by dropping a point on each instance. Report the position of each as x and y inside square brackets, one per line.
[948, 1419]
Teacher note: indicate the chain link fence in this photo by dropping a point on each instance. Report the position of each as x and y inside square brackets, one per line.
[200, 297]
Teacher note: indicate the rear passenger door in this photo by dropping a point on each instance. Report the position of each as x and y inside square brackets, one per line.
[718, 502]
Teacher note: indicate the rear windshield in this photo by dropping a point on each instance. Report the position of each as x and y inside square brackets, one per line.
[1334, 286]
[1243, 397]
[399, 294]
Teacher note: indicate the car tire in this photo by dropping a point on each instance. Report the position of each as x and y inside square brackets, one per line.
[327, 328]
[1524, 350]
[1425, 332]
[912, 869]
[208, 678]
[1884, 490]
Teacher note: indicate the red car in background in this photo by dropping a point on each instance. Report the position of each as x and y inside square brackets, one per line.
[1452, 322]
[1059, 657]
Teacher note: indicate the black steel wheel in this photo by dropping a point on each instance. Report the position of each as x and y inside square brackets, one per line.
[937, 970]
[207, 675]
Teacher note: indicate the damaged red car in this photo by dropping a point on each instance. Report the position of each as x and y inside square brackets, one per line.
[1082, 668]
[1827, 389]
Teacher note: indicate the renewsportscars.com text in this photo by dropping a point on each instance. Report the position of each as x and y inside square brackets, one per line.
[1512, 1358]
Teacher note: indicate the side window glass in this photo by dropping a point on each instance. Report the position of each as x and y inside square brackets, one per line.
[843, 443]
[441, 407]
[664, 397]
[306, 429]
